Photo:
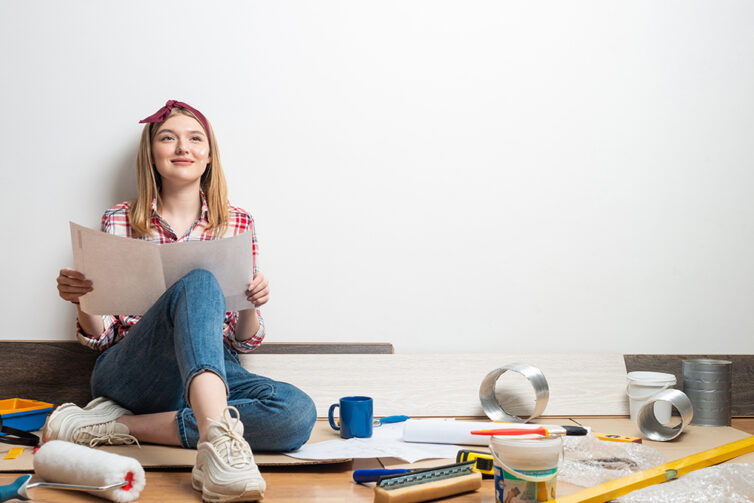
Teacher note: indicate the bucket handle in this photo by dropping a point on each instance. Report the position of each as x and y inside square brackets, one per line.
[653, 393]
[532, 478]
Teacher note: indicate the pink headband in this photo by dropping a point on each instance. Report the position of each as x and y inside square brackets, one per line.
[163, 113]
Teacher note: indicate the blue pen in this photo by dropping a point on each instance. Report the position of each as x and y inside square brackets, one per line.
[390, 419]
[366, 475]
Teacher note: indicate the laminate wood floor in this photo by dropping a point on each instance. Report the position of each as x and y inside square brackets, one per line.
[319, 483]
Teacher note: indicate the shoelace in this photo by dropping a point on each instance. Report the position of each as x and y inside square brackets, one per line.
[125, 438]
[236, 445]
[96, 438]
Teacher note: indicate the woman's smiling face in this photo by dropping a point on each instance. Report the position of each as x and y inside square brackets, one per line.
[180, 150]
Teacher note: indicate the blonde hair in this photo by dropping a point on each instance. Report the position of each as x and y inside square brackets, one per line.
[149, 183]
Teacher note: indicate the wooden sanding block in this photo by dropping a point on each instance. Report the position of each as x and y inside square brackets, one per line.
[429, 484]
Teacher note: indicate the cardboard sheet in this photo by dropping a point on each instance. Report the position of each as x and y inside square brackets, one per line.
[692, 440]
[158, 456]
[129, 275]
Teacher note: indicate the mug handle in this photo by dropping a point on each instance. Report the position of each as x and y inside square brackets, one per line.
[330, 416]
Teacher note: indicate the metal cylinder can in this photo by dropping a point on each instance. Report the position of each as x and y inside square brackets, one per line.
[707, 383]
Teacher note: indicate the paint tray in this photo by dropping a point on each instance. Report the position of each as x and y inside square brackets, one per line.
[25, 415]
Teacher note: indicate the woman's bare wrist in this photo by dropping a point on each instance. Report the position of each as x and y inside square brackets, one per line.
[248, 324]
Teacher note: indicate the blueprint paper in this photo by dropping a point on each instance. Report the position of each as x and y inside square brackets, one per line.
[129, 275]
[386, 442]
[450, 431]
[229, 259]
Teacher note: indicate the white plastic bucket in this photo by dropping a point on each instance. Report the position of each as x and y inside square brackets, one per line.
[644, 385]
[526, 470]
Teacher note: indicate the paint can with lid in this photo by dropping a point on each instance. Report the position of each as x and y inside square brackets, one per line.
[642, 386]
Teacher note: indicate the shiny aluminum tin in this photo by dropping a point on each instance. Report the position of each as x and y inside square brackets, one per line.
[495, 409]
[652, 428]
[708, 383]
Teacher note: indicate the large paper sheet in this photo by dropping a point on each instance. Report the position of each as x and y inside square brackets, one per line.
[384, 442]
[129, 275]
[450, 431]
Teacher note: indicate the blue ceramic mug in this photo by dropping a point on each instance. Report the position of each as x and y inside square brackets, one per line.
[355, 416]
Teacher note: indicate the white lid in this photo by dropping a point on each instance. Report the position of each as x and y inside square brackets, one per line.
[651, 377]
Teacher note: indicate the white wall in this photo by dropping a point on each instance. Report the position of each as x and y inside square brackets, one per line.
[482, 175]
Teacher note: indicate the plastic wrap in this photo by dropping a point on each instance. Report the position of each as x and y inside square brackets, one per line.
[731, 483]
[590, 461]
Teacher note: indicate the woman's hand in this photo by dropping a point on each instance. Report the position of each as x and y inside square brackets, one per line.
[72, 285]
[258, 292]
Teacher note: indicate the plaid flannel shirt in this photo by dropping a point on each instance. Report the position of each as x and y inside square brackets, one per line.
[115, 221]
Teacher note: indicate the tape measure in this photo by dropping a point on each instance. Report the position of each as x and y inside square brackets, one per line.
[484, 463]
[616, 438]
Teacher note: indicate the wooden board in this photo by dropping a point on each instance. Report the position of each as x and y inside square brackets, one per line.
[59, 371]
[448, 384]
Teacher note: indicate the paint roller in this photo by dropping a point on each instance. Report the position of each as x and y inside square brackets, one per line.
[65, 465]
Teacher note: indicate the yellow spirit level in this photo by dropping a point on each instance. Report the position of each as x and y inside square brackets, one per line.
[669, 471]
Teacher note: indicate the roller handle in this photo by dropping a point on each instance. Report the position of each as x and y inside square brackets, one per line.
[15, 490]
[364, 475]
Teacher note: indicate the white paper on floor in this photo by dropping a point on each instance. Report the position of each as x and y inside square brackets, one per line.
[386, 442]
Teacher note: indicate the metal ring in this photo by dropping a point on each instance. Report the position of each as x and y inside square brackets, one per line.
[652, 428]
[495, 410]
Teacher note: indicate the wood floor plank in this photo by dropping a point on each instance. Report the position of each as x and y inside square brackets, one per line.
[283, 486]
[744, 424]
[328, 484]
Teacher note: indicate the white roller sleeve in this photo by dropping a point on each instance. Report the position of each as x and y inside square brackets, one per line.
[68, 463]
[450, 431]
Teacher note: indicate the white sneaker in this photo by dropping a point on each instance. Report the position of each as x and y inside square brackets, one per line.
[225, 469]
[93, 425]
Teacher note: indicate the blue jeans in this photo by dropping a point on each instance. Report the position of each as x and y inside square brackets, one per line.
[150, 369]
